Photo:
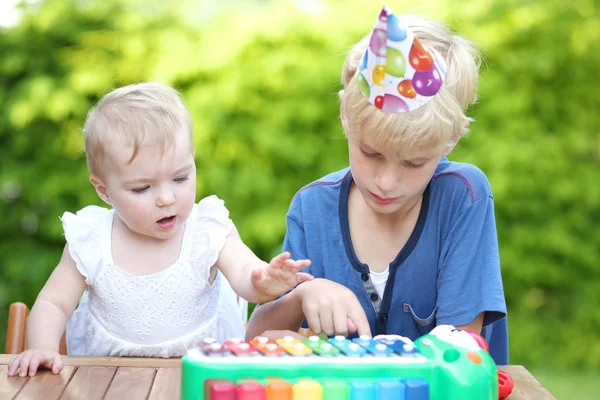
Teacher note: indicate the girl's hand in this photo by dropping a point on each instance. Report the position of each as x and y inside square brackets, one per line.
[29, 361]
[333, 309]
[279, 276]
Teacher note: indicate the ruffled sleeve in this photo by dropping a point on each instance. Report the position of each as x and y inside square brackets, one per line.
[82, 231]
[211, 226]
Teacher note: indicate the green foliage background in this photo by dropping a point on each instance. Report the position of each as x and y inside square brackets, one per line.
[260, 79]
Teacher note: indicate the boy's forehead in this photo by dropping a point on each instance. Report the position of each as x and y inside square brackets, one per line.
[401, 149]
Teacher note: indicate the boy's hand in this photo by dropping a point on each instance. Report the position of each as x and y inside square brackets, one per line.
[279, 276]
[29, 361]
[333, 309]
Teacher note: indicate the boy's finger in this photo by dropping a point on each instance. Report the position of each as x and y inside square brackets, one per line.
[340, 323]
[313, 322]
[357, 322]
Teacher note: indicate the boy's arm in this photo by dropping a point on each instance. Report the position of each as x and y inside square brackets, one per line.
[254, 279]
[284, 313]
[55, 304]
[476, 325]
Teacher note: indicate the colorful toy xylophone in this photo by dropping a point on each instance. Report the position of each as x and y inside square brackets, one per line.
[446, 364]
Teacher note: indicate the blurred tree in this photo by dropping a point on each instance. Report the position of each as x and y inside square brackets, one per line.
[261, 79]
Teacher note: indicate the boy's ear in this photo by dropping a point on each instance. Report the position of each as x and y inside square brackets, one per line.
[450, 146]
[100, 188]
[342, 119]
[455, 141]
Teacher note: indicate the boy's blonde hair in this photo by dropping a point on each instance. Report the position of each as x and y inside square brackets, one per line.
[135, 115]
[436, 124]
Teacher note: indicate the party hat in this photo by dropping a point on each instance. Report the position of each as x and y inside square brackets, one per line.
[397, 73]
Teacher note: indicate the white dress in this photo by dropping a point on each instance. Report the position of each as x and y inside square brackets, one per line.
[159, 315]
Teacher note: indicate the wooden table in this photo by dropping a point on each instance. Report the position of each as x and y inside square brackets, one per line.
[122, 378]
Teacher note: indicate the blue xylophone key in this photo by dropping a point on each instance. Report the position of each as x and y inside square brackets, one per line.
[390, 389]
[404, 347]
[363, 390]
[373, 346]
[416, 389]
[347, 346]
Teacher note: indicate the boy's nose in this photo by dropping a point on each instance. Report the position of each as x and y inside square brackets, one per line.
[387, 180]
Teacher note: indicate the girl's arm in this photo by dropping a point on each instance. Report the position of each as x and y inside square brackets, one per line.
[254, 279]
[48, 318]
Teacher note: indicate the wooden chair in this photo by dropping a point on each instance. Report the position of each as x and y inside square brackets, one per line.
[15, 334]
[17, 321]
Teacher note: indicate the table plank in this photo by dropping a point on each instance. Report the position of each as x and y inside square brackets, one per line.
[45, 385]
[89, 383]
[167, 384]
[526, 386]
[131, 383]
[112, 361]
[9, 387]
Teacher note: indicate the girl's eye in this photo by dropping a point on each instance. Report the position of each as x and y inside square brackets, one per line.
[140, 189]
[181, 179]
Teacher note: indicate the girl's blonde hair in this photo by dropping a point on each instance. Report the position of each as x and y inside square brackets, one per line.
[442, 120]
[136, 115]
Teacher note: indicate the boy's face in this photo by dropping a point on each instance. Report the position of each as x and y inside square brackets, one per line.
[387, 183]
[154, 194]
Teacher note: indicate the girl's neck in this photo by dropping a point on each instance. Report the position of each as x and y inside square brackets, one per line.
[140, 255]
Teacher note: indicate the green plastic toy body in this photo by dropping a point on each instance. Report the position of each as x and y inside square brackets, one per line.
[453, 365]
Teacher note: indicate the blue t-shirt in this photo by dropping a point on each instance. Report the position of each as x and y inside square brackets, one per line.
[448, 272]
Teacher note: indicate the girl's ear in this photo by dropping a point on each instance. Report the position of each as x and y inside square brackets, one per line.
[100, 188]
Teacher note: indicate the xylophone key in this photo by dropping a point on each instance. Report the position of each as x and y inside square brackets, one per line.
[362, 390]
[294, 347]
[335, 389]
[279, 390]
[416, 389]
[347, 346]
[267, 346]
[374, 347]
[390, 389]
[222, 391]
[321, 347]
[250, 391]
[240, 347]
[307, 389]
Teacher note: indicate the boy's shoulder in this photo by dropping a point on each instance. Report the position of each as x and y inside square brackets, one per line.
[329, 183]
[461, 177]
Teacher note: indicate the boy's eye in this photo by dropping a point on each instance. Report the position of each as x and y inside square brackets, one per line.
[368, 154]
[181, 179]
[413, 165]
[140, 189]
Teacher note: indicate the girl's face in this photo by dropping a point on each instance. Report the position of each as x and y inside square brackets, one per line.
[389, 184]
[154, 194]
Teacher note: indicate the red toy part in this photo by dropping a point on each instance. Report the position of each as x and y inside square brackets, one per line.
[505, 384]
[481, 342]
[505, 381]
